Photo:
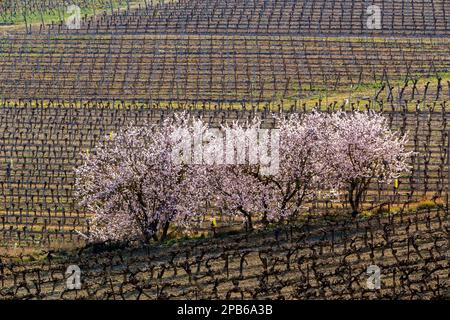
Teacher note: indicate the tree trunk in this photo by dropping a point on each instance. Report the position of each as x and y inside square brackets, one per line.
[248, 216]
[249, 223]
[264, 219]
[165, 230]
[148, 236]
[353, 200]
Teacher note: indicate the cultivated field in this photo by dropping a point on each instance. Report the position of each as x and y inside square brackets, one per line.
[65, 90]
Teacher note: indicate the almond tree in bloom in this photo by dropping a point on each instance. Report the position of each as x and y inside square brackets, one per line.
[143, 180]
[134, 188]
[237, 191]
[361, 148]
[303, 170]
[245, 189]
[233, 175]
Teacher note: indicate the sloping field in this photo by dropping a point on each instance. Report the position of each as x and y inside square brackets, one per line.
[282, 17]
[318, 259]
[41, 146]
[220, 69]
[63, 90]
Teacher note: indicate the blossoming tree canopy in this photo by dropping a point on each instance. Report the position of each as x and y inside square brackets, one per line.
[134, 188]
[281, 194]
[361, 148]
[142, 180]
